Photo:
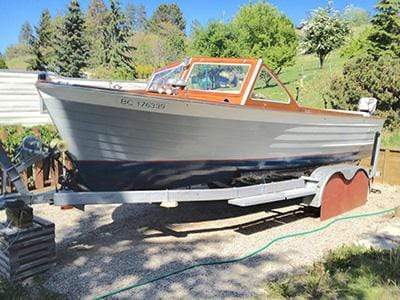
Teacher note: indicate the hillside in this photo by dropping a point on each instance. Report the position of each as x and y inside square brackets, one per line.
[310, 78]
[313, 82]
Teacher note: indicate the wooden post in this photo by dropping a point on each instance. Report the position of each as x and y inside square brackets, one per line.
[39, 176]
[385, 165]
[24, 177]
[54, 173]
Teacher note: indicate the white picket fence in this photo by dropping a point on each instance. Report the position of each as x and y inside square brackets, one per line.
[20, 102]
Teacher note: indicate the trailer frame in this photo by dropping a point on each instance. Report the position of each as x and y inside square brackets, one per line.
[310, 188]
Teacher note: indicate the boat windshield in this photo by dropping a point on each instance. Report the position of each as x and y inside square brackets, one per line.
[161, 78]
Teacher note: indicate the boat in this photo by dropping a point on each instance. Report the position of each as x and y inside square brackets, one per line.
[201, 121]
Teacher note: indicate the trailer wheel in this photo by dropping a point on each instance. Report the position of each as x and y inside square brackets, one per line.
[341, 195]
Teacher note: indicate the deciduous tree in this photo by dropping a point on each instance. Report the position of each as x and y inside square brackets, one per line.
[358, 45]
[264, 32]
[324, 32]
[174, 43]
[217, 39]
[258, 30]
[356, 16]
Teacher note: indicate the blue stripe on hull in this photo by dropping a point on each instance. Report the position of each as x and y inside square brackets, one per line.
[117, 175]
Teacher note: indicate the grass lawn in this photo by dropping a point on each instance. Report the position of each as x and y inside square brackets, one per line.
[312, 80]
[346, 273]
[391, 139]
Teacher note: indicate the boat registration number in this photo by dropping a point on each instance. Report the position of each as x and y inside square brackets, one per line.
[143, 104]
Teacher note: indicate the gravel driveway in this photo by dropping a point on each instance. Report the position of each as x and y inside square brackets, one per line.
[109, 247]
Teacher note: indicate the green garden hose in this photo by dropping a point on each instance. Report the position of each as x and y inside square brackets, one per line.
[263, 248]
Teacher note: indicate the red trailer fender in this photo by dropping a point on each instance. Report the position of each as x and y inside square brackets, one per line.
[340, 189]
[341, 195]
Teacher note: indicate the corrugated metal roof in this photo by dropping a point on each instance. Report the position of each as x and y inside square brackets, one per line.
[20, 102]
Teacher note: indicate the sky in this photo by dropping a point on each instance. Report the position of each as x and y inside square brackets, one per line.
[13, 13]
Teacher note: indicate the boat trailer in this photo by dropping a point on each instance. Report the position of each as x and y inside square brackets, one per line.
[335, 188]
[29, 244]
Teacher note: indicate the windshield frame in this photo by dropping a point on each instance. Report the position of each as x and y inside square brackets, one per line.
[168, 69]
[238, 92]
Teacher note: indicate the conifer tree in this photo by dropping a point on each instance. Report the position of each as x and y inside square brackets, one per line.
[168, 13]
[41, 45]
[25, 34]
[136, 17]
[72, 49]
[385, 35]
[118, 52]
[95, 24]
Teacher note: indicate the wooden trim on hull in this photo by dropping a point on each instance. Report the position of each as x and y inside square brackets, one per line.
[250, 104]
[242, 99]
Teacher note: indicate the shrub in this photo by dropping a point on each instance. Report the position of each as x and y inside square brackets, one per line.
[109, 73]
[11, 136]
[358, 45]
[367, 77]
[144, 71]
[2, 63]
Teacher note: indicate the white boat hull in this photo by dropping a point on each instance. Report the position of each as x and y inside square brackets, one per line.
[120, 140]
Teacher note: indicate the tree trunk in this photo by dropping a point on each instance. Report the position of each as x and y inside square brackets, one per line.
[321, 61]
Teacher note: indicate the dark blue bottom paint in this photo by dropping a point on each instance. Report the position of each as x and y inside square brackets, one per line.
[119, 176]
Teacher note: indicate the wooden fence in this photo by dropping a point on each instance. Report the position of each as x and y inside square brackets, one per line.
[38, 177]
[388, 166]
[45, 174]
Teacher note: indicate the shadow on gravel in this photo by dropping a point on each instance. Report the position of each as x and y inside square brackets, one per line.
[142, 241]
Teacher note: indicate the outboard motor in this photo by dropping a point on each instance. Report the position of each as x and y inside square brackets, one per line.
[367, 105]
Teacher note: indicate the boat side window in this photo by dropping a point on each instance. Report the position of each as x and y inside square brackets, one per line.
[217, 77]
[267, 88]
